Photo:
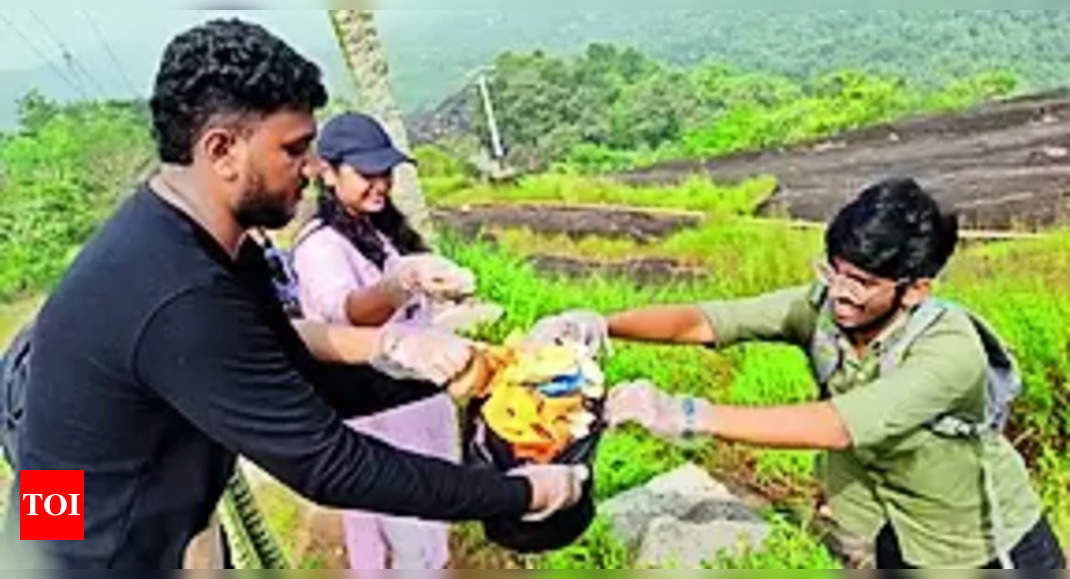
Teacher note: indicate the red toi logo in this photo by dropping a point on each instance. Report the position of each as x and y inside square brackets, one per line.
[52, 505]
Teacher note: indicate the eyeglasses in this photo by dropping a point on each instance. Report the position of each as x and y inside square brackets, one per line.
[859, 290]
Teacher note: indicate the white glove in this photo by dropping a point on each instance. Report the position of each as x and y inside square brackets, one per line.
[553, 487]
[580, 326]
[428, 274]
[465, 317]
[412, 352]
[659, 412]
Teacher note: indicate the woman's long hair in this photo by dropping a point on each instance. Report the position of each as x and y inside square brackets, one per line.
[362, 230]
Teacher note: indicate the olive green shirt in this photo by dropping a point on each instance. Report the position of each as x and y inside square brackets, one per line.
[897, 471]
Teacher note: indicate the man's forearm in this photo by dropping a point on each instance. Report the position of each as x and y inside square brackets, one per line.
[815, 425]
[360, 390]
[684, 324]
[338, 343]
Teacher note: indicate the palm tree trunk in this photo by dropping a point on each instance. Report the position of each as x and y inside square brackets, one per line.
[364, 54]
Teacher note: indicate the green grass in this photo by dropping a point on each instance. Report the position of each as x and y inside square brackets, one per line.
[279, 505]
[1022, 288]
[13, 315]
[842, 101]
[694, 194]
[1028, 302]
[629, 457]
[788, 546]
[282, 509]
[60, 175]
[596, 549]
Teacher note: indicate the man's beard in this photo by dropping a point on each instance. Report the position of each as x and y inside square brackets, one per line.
[879, 321]
[261, 208]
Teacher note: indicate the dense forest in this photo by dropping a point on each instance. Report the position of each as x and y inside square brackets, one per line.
[652, 85]
[60, 175]
[431, 52]
[610, 108]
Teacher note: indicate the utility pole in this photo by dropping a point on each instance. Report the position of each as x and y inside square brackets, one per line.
[492, 124]
[497, 170]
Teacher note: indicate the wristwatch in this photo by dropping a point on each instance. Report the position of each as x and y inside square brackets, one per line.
[690, 407]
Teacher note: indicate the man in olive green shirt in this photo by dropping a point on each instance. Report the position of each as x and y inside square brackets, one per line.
[895, 370]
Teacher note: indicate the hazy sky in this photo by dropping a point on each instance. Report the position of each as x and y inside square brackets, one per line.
[416, 35]
[30, 41]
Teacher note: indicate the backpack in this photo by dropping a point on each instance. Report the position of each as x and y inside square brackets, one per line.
[1004, 383]
[14, 375]
[283, 278]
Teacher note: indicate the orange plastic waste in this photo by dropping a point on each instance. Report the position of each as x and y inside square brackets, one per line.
[539, 426]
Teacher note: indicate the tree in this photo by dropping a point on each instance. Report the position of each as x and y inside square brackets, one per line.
[35, 110]
[359, 41]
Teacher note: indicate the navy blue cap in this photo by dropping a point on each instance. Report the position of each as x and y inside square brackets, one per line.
[358, 140]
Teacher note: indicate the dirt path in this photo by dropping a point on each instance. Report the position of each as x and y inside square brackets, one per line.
[642, 271]
[1000, 165]
[642, 226]
[575, 221]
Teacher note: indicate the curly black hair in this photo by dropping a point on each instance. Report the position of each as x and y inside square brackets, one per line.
[222, 69]
[894, 229]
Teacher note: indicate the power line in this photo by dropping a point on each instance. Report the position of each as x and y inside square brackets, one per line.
[40, 54]
[72, 62]
[111, 54]
[73, 74]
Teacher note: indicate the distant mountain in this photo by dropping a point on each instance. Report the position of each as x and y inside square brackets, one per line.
[432, 51]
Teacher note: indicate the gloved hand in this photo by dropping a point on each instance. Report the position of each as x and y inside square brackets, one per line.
[643, 403]
[428, 274]
[553, 487]
[475, 378]
[415, 352]
[466, 316]
[582, 326]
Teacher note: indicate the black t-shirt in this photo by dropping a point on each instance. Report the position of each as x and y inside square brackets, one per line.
[158, 357]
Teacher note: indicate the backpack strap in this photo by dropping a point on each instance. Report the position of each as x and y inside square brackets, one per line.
[311, 226]
[1000, 541]
[921, 319]
[1004, 380]
[824, 355]
[283, 277]
[14, 374]
[1003, 384]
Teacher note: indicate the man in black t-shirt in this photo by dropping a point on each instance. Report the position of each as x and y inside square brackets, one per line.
[163, 353]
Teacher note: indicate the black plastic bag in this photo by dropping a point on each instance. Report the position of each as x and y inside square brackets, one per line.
[483, 448]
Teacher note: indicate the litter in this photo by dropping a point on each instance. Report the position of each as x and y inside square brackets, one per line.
[540, 399]
[534, 404]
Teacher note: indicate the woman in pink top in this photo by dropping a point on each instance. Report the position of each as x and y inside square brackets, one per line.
[339, 259]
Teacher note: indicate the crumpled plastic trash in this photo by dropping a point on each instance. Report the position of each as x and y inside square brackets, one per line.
[540, 398]
[534, 403]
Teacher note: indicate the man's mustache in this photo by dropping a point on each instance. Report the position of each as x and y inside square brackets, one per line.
[848, 302]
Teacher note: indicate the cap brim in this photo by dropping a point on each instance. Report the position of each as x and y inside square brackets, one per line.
[378, 161]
